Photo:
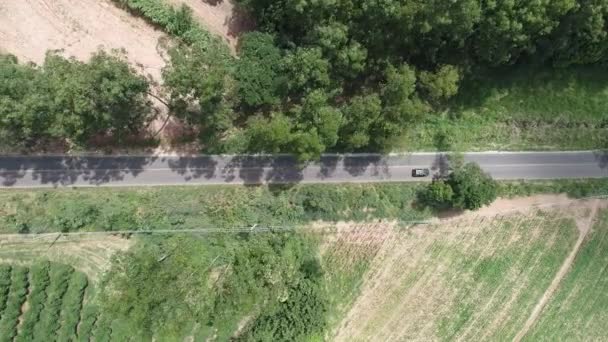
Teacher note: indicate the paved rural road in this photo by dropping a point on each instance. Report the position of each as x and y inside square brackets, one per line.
[54, 171]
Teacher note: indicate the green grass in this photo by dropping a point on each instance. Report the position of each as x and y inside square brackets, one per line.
[91, 209]
[201, 207]
[578, 310]
[471, 280]
[521, 108]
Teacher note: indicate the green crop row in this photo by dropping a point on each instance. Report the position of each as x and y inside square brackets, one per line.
[72, 306]
[5, 283]
[40, 281]
[49, 317]
[103, 330]
[16, 298]
[87, 322]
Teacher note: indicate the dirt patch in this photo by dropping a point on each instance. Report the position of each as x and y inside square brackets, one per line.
[28, 28]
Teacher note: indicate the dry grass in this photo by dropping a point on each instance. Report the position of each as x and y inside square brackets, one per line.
[469, 278]
[90, 255]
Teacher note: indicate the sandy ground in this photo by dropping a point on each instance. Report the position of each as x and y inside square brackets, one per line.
[28, 28]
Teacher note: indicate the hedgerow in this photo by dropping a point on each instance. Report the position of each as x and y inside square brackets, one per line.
[16, 298]
[49, 318]
[5, 284]
[40, 280]
[72, 306]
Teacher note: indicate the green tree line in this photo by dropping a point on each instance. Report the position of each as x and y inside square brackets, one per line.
[316, 76]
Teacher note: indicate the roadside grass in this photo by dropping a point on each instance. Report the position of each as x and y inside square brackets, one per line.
[520, 108]
[149, 208]
[577, 311]
[472, 279]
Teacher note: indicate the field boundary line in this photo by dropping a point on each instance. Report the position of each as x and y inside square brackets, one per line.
[559, 276]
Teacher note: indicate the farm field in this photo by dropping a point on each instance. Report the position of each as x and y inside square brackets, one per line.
[577, 311]
[469, 278]
[45, 301]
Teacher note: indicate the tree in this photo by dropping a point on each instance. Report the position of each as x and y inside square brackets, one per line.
[306, 70]
[472, 187]
[442, 84]
[315, 113]
[359, 116]
[103, 96]
[257, 71]
[269, 135]
[25, 100]
[202, 73]
[401, 106]
[438, 195]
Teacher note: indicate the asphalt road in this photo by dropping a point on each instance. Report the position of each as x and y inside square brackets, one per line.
[57, 171]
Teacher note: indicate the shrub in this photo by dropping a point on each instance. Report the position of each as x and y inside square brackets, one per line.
[437, 195]
[472, 187]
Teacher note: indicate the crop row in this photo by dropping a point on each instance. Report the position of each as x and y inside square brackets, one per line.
[87, 322]
[5, 283]
[39, 282]
[16, 298]
[72, 306]
[49, 321]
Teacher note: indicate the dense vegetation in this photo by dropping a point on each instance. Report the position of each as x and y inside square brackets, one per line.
[253, 287]
[341, 76]
[70, 100]
[467, 187]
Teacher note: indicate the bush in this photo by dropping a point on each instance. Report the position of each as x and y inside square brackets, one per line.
[437, 195]
[16, 298]
[472, 187]
[39, 282]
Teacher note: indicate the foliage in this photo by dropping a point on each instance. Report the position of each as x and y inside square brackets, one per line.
[87, 322]
[201, 73]
[258, 71]
[437, 194]
[178, 22]
[40, 281]
[71, 100]
[72, 306]
[217, 280]
[16, 298]
[442, 84]
[472, 187]
[50, 322]
[5, 284]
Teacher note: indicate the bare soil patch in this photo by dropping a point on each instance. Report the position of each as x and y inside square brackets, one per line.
[28, 28]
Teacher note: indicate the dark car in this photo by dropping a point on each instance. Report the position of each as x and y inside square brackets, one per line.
[420, 172]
